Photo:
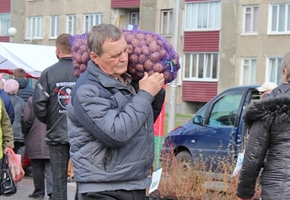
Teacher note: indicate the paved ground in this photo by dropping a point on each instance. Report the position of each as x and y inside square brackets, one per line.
[25, 187]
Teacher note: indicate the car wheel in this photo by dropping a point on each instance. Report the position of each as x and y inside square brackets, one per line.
[185, 161]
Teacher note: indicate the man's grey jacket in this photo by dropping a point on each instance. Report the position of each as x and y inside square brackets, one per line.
[110, 133]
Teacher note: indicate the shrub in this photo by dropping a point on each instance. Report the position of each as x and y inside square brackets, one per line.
[207, 179]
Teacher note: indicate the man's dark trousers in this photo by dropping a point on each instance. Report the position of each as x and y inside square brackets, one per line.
[115, 195]
[59, 156]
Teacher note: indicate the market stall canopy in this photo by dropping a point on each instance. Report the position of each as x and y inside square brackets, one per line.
[32, 58]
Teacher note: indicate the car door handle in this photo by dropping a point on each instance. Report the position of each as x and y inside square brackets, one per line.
[192, 141]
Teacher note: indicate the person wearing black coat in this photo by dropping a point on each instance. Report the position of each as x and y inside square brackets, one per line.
[37, 150]
[50, 98]
[269, 141]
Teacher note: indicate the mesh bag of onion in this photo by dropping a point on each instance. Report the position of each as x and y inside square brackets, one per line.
[80, 53]
[147, 51]
[150, 52]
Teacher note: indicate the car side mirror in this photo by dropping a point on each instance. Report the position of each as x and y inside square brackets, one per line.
[197, 120]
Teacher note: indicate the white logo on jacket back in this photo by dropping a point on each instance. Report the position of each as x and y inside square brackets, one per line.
[63, 90]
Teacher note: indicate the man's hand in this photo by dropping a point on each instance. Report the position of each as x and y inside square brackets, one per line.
[152, 84]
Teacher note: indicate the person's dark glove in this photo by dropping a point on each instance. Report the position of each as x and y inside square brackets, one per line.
[157, 102]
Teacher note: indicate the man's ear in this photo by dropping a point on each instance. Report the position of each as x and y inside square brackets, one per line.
[94, 57]
[57, 50]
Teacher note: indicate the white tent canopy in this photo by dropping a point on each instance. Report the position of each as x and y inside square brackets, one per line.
[32, 58]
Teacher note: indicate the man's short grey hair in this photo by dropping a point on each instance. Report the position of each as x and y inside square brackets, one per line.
[100, 34]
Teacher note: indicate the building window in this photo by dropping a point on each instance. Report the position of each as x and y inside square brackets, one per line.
[134, 18]
[200, 66]
[202, 16]
[166, 22]
[275, 69]
[71, 24]
[4, 24]
[92, 20]
[34, 27]
[249, 70]
[54, 26]
[251, 19]
[279, 18]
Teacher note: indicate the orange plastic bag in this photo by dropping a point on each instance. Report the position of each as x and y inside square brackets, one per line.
[14, 163]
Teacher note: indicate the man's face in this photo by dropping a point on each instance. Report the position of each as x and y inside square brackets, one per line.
[114, 60]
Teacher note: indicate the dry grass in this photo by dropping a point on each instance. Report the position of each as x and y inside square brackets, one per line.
[203, 182]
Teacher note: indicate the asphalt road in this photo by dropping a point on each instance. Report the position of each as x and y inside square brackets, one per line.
[25, 187]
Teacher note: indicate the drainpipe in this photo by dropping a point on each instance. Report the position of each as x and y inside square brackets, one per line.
[172, 98]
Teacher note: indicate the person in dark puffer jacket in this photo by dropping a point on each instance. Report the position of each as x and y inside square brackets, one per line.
[25, 91]
[6, 132]
[269, 140]
[7, 103]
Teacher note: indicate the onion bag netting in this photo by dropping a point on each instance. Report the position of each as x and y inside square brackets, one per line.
[147, 51]
[80, 53]
[150, 52]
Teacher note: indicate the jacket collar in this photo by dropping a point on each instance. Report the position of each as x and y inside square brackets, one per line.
[105, 79]
[270, 110]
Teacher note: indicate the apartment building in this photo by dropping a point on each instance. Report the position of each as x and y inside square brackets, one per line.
[4, 20]
[263, 37]
[221, 43]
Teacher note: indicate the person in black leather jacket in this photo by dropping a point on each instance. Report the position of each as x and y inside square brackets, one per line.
[269, 141]
[50, 99]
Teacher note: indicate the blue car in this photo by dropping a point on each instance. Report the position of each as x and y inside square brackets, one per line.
[215, 131]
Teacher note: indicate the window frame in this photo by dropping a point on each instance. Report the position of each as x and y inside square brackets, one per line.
[192, 18]
[278, 70]
[4, 24]
[277, 19]
[136, 18]
[88, 23]
[54, 21]
[252, 74]
[252, 20]
[71, 21]
[195, 67]
[38, 32]
[169, 23]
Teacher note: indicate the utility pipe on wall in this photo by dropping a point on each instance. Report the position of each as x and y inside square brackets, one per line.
[172, 98]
